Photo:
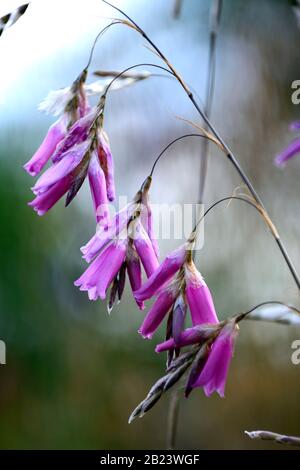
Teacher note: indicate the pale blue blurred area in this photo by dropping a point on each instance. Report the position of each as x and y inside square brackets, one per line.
[74, 373]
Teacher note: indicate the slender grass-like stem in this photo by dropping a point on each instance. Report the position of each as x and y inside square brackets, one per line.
[173, 416]
[212, 128]
[205, 137]
[216, 10]
[106, 28]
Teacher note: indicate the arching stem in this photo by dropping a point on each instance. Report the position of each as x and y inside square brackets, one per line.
[216, 10]
[210, 126]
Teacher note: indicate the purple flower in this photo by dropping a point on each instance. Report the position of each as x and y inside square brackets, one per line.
[99, 275]
[67, 175]
[126, 230]
[55, 134]
[295, 126]
[104, 235]
[212, 369]
[147, 220]
[199, 297]
[214, 373]
[78, 147]
[134, 271]
[144, 248]
[106, 162]
[75, 158]
[158, 311]
[98, 190]
[195, 335]
[291, 150]
[71, 103]
[177, 284]
[78, 133]
[166, 271]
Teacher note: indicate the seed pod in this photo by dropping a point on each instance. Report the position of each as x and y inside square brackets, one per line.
[145, 405]
[159, 385]
[150, 402]
[175, 376]
[136, 413]
[182, 359]
[11, 18]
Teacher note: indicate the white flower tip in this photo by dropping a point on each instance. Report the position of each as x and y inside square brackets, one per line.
[56, 101]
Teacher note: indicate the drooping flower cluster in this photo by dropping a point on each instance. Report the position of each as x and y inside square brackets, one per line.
[211, 369]
[125, 245]
[179, 285]
[78, 148]
[292, 149]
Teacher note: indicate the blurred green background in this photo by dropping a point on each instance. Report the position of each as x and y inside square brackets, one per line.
[74, 374]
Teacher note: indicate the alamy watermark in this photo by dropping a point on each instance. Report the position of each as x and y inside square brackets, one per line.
[168, 221]
[296, 94]
[295, 357]
[2, 353]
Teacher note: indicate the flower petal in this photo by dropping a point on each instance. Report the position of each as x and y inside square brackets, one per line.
[98, 191]
[42, 203]
[147, 221]
[295, 126]
[144, 248]
[104, 234]
[163, 274]
[78, 133]
[99, 275]
[134, 272]
[55, 134]
[214, 374]
[186, 338]
[199, 297]
[61, 169]
[289, 152]
[157, 313]
[106, 162]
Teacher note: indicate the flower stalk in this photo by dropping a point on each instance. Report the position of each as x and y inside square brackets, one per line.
[214, 131]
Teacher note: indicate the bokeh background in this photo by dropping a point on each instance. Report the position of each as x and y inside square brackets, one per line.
[73, 373]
